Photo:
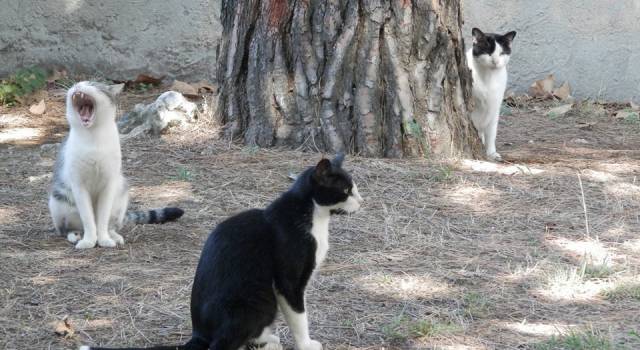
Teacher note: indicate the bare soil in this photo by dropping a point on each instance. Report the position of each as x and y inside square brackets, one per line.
[444, 255]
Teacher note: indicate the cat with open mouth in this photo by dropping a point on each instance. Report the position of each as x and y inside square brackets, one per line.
[89, 192]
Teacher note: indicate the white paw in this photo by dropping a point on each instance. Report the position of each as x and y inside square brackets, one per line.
[106, 242]
[85, 244]
[495, 156]
[311, 345]
[272, 346]
[272, 339]
[73, 237]
[116, 237]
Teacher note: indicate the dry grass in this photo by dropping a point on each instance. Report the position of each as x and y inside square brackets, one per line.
[442, 255]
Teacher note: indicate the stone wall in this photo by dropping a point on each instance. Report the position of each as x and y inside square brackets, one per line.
[112, 39]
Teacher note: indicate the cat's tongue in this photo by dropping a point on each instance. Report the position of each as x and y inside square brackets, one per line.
[85, 112]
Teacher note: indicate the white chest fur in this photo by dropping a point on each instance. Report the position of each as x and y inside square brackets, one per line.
[320, 231]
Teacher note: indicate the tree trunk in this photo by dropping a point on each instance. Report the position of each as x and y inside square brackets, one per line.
[374, 77]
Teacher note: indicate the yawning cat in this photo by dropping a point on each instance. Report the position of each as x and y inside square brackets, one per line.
[260, 259]
[488, 59]
[89, 193]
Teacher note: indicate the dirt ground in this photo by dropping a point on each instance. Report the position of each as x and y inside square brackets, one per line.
[540, 252]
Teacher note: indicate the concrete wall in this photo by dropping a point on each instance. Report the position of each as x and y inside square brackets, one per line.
[594, 44]
[111, 38]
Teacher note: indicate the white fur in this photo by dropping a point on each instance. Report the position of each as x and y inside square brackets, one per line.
[320, 231]
[92, 168]
[299, 326]
[320, 223]
[272, 341]
[489, 83]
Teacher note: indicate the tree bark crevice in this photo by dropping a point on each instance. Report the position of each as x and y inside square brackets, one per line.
[374, 77]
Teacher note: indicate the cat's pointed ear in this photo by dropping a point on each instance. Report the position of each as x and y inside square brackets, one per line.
[509, 36]
[337, 160]
[322, 170]
[116, 89]
[477, 35]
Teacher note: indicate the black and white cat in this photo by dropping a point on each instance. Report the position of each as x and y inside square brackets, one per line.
[488, 59]
[260, 259]
[89, 192]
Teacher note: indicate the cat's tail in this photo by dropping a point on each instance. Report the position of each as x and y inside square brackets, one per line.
[174, 347]
[193, 344]
[154, 216]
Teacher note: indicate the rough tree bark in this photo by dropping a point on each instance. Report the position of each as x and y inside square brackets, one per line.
[374, 77]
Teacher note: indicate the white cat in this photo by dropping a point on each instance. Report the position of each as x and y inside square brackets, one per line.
[89, 192]
[488, 59]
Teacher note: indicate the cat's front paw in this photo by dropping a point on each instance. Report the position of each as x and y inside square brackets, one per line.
[73, 237]
[311, 345]
[85, 244]
[495, 156]
[106, 243]
[116, 237]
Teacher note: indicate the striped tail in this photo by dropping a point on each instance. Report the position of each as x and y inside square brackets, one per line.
[173, 347]
[193, 344]
[154, 216]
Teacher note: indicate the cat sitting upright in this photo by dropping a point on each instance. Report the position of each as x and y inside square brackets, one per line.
[89, 192]
[260, 259]
[488, 59]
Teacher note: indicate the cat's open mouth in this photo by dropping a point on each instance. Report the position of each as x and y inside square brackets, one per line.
[84, 106]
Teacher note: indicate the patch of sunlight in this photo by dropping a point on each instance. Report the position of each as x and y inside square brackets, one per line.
[567, 283]
[9, 215]
[469, 195]
[461, 347]
[632, 244]
[106, 299]
[106, 277]
[521, 272]
[588, 249]
[600, 176]
[71, 6]
[624, 289]
[490, 167]
[619, 168]
[99, 323]
[70, 262]
[538, 329]
[160, 195]
[19, 134]
[43, 280]
[7, 120]
[623, 189]
[41, 178]
[402, 286]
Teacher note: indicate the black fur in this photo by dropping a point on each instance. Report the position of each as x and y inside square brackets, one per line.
[485, 43]
[155, 216]
[249, 254]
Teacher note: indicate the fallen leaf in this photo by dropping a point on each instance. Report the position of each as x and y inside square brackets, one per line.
[204, 87]
[64, 328]
[542, 88]
[563, 92]
[585, 125]
[147, 79]
[186, 89]
[140, 79]
[559, 111]
[38, 108]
